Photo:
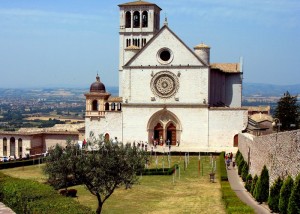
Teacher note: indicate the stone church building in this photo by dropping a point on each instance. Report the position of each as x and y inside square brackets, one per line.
[168, 92]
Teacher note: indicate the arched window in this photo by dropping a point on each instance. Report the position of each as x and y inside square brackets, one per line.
[136, 19]
[5, 146]
[128, 20]
[113, 106]
[95, 105]
[106, 106]
[20, 147]
[145, 19]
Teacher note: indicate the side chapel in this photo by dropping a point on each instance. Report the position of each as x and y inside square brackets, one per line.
[167, 91]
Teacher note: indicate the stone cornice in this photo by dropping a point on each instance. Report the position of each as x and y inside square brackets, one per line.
[227, 108]
[165, 67]
[161, 105]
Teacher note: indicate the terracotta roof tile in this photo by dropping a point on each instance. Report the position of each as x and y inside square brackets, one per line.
[138, 3]
[227, 67]
[115, 99]
[202, 45]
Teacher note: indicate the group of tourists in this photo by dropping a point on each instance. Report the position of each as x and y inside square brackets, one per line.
[228, 159]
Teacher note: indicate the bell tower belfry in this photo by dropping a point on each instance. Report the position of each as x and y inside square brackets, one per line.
[139, 22]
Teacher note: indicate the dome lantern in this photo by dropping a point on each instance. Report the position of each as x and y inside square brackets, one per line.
[97, 86]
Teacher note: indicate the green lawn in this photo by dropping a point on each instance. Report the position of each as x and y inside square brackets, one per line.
[192, 193]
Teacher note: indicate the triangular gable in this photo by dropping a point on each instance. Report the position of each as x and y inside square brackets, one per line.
[165, 38]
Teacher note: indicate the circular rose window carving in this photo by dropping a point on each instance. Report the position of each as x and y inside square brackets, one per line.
[164, 84]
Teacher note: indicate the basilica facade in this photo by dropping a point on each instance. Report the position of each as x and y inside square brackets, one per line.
[168, 92]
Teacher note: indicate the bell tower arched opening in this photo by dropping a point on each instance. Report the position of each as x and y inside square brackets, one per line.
[145, 19]
[128, 20]
[136, 19]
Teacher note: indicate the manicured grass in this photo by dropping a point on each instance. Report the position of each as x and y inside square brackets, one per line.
[34, 172]
[192, 193]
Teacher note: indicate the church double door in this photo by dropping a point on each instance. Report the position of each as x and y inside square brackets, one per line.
[162, 135]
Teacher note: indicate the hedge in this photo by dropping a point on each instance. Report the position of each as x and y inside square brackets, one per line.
[13, 164]
[26, 196]
[161, 171]
[222, 166]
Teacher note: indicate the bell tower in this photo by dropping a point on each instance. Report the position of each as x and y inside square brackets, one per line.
[139, 22]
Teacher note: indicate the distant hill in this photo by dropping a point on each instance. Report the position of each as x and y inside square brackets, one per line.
[266, 90]
[249, 90]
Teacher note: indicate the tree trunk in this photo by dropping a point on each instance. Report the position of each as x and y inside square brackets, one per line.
[100, 204]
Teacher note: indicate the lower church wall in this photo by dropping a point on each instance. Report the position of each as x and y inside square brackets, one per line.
[224, 124]
[191, 121]
[111, 124]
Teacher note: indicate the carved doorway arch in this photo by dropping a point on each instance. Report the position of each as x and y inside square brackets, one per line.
[164, 125]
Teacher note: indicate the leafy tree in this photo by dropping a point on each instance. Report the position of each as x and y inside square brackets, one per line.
[262, 186]
[287, 111]
[294, 201]
[273, 200]
[102, 170]
[285, 193]
[254, 181]
[59, 166]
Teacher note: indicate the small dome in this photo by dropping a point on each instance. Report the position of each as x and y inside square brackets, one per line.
[97, 86]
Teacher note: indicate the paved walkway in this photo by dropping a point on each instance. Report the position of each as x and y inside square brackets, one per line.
[237, 185]
[5, 210]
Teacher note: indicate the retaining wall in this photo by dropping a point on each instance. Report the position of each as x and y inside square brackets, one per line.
[280, 152]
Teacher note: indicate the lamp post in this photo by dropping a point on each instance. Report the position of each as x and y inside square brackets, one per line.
[277, 123]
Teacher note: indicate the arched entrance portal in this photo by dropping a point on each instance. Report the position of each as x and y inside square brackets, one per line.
[163, 126]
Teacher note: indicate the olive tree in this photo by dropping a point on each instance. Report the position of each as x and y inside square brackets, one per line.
[102, 170]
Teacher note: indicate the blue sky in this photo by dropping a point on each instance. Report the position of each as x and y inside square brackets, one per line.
[65, 43]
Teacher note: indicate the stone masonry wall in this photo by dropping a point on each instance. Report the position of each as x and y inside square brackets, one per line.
[280, 152]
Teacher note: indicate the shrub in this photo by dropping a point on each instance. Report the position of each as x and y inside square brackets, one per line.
[285, 193]
[68, 192]
[248, 183]
[262, 186]
[240, 166]
[72, 193]
[294, 201]
[254, 181]
[245, 171]
[273, 200]
[238, 158]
